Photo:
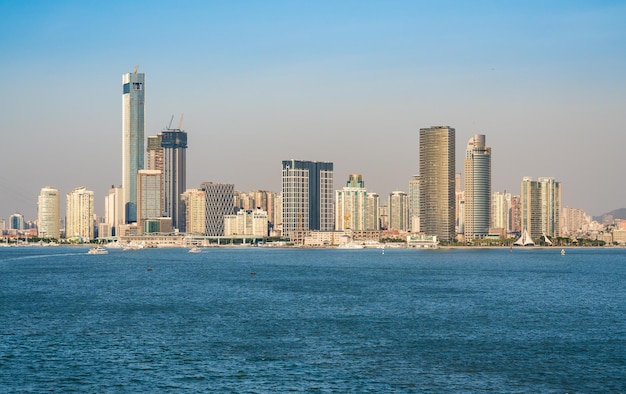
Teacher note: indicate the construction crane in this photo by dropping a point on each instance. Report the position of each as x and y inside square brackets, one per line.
[180, 123]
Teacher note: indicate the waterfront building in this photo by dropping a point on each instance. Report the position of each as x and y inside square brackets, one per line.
[351, 205]
[414, 204]
[372, 222]
[194, 201]
[219, 203]
[133, 101]
[154, 150]
[459, 199]
[398, 211]
[383, 216]
[541, 207]
[113, 210]
[246, 222]
[16, 221]
[149, 198]
[49, 213]
[437, 182]
[79, 214]
[516, 215]
[308, 196]
[174, 144]
[501, 211]
[477, 193]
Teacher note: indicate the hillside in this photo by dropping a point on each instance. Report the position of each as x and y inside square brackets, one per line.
[617, 214]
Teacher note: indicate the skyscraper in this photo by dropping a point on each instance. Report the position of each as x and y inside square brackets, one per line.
[79, 214]
[351, 205]
[149, 197]
[219, 203]
[307, 192]
[114, 210]
[437, 181]
[48, 213]
[174, 143]
[541, 206]
[398, 211]
[414, 203]
[477, 188]
[133, 100]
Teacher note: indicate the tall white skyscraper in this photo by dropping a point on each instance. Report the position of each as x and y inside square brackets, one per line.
[437, 182]
[477, 188]
[133, 101]
[114, 209]
[48, 215]
[308, 196]
[79, 214]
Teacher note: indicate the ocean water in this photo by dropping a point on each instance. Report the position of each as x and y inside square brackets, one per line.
[279, 320]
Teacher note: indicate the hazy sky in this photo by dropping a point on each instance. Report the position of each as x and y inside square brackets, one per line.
[350, 82]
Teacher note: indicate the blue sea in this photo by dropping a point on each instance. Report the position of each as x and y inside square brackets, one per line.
[257, 320]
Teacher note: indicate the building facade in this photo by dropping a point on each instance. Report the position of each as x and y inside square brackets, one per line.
[541, 207]
[113, 210]
[49, 213]
[133, 102]
[174, 143]
[437, 182]
[351, 205]
[414, 204]
[219, 203]
[477, 194]
[79, 212]
[195, 208]
[149, 198]
[246, 222]
[398, 211]
[501, 211]
[308, 196]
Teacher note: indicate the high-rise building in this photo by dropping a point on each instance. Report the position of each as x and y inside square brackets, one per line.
[437, 181]
[541, 207]
[351, 205]
[219, 203]
[501, 211]
[16, 221]
[79, 210]
[174, 143]
[477, 188]
[195, 208]
[113, 210]
[149, 197]
[308, 196]
[133, 101]
[398, 211]
[154, 161]
[414, 204]
[48, 213]
[373, 212]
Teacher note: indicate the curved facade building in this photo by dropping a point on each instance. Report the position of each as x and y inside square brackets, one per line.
[437, 182]
[477, 188]
[48, 213]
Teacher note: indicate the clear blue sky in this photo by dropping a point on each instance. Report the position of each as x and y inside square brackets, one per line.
[344, 81]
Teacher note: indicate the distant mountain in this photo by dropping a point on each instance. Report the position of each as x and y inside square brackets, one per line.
[616, 214]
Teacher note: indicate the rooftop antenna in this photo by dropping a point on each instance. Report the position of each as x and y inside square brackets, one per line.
[180, 123]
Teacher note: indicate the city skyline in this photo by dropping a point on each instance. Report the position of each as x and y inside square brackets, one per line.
[347, 83]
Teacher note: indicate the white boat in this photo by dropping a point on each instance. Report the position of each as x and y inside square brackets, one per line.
[98, 250]
[562, 252]
[350, 245]
[195, 249]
